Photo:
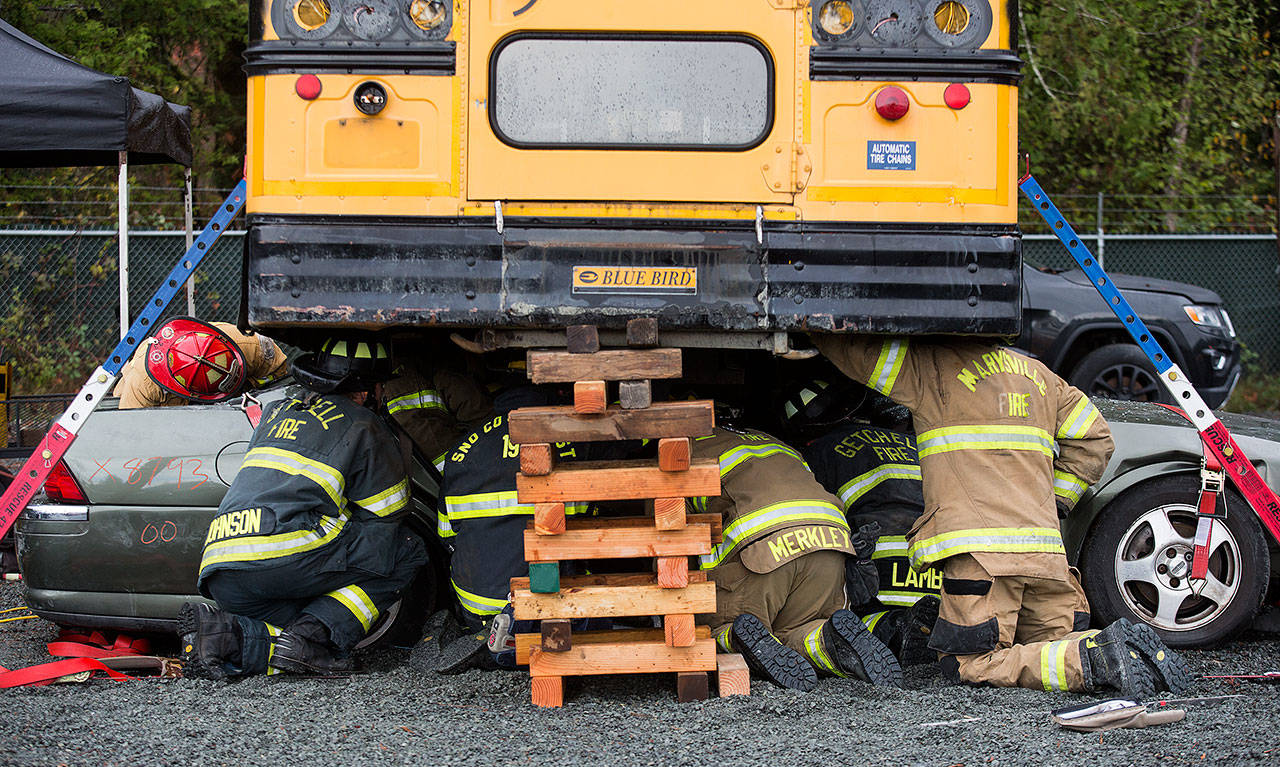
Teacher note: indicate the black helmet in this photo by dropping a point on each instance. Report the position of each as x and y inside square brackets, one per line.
[818, 405]
[352, 362]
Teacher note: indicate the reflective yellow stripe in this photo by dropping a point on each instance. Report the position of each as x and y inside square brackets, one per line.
[389, 501]
[872, 620]
[259, 547]
[777, 515]
[288, 462]
[357, 601]
[902, 598]
[272, 632]
[476, 604]
[1025, 540]
[438, 462]
[864, 483]
[1079, 420]
[993, 437]
[722, 638]
[425, 399]
[890, 546]
[888, 365]
[1067, 486]
[731, 459]
[818, 653]
[502, 503]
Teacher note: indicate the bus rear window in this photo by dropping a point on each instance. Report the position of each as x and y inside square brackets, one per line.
[712, 93]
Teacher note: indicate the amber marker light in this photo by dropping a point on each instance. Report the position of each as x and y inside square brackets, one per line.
[956, 95]
[892, 103]
[307, 87]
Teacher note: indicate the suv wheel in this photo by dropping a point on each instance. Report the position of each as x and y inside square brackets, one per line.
[1119, 371]
[1136, 559]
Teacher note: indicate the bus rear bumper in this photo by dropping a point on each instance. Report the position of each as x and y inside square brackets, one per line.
[312, 272]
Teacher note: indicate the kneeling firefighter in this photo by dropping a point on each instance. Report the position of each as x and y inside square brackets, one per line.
[780, 568]
[308, 547]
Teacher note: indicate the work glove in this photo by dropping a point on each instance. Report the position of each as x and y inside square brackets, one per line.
[861, 579]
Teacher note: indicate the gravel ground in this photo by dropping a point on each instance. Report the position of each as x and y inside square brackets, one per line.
[400, 712]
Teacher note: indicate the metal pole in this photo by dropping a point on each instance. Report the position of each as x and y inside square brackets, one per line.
[1101, 243]
[122, 184]
[191, 281]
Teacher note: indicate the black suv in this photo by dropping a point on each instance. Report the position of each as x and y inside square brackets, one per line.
[1067, 325]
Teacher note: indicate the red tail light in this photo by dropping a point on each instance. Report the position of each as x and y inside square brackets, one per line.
[62, 487]
[892, 103]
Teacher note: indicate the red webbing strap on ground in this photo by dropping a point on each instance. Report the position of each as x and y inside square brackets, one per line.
[95, 645]
[45, 673]
[1210, 486]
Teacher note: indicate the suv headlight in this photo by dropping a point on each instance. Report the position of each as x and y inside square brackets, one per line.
[1210, 317]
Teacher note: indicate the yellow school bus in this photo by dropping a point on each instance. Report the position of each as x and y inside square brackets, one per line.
[736, 167]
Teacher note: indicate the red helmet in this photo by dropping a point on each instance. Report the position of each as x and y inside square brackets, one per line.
[195, 360]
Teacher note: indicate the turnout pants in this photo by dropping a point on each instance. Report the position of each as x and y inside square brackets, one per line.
[794, 601]
[347, 601]
[1010, 631]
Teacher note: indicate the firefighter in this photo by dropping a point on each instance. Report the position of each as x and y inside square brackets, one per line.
[308, 547]
[1005, 447]
[780, 568]
[192, 361]
[437, 404]
[875, 473]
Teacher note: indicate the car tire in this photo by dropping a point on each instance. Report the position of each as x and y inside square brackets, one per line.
[1119, 371]
[400, 625]
[1133, 539]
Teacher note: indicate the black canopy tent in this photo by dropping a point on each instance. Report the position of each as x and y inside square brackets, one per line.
[56, 112]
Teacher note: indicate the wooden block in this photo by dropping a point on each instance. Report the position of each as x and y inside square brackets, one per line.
[673, 572]
[678, 629]
[619, 481]
[608, 523]
[675, 453]
[633, 395]
[544, 577]
[609, 579]
[548, 691]
[732, 675]
[669, 513]
[548, 518]
[557, 636]
[589, 397]
[691, 686]
[525, 643]
[618, 543]
[614, 602]
[624, 658]
[582, 339]
[608, 365]
[535, 459]
[690, 418]
[642, 331]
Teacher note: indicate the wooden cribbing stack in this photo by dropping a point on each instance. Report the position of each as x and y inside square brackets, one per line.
[670, 536]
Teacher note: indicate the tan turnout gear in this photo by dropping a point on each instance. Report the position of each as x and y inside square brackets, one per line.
[784, 542]
[1003, 444]
[437, 409]
[264, 362]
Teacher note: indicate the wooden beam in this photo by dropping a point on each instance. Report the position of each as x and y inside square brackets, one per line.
[557, 636]
[582, 339]
[642, 331]
[618, 543]
[614, 602]
[623, 658]
[609, 579]
[589, 397]
[559, 423]
[619, 481]
[548, 691]
[678, 630]
[607, 365]
[609, 523]
[733, 676]
[535, 459]
[674, 453]
[691, 686]
[633, 395]
[673, 572]
[526, 642]
[669, 513]
[548, 518]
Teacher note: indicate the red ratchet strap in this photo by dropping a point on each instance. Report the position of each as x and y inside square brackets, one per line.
[95, 645]
[47, 673]
[80, 653]
[1212, 482]
[252, 409]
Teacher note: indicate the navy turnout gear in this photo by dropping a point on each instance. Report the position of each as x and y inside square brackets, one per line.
[312, 523]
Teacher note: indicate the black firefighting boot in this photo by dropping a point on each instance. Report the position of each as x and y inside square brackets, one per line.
[770, 658]
[907, 630]
[1168, 669]
[211, 641]
[304, 648]
[859, 654]
[1109, 661]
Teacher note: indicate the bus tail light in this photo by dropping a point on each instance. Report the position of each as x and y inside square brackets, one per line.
[956, 95]
[61, 487]
[892, 103]
[307, 87]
